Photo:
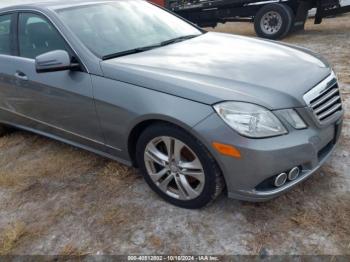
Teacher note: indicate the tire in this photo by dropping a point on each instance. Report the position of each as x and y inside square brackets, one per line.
[207, 184]
[274, 13]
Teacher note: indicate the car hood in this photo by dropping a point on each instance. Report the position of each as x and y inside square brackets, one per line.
[218, 67]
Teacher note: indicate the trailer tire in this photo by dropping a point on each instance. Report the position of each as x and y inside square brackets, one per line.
[273, 21]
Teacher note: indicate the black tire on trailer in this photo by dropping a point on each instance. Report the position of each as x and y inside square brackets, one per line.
[274, 21]
[291, 19]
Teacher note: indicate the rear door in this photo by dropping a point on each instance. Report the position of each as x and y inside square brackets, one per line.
[59, 103]
[7, 50]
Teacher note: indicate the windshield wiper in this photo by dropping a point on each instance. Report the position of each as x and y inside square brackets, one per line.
[178, 39]
[130, 52]
[146, 48]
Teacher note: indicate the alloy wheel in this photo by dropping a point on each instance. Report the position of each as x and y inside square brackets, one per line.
[174, 168]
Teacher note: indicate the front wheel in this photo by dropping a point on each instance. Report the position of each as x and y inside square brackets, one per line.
[274, 21]
[178, 167]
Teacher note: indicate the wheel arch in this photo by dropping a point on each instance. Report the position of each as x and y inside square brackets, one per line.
[143, 124]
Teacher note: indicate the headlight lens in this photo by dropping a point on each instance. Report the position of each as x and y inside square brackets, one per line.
[250, 120]
[293, 118]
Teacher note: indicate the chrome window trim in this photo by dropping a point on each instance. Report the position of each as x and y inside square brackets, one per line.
[53, 23]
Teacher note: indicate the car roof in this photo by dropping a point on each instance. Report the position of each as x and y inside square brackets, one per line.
[51, 4]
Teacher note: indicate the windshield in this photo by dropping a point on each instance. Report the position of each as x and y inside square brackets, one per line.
[115, 27]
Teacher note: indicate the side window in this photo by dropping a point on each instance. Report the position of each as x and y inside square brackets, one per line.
[37, 36]
[5, 34]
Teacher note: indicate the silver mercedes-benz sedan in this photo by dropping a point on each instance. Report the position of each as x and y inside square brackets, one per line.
[196, 111]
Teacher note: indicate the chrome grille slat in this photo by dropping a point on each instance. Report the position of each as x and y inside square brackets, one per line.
[330, 111]
[324, 99]
[326, 105]
[330, 85]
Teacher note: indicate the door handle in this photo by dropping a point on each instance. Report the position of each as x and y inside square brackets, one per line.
[21, 75]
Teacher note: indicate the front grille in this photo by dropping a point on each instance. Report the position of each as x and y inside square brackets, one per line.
[327, 103]
[324, 99]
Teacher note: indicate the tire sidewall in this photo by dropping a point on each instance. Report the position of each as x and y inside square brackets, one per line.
[290, 21]
[208, 192]
[286, 14]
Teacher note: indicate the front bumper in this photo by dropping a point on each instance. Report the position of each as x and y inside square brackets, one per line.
[263, 159]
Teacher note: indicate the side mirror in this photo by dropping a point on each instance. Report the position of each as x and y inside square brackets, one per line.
[54, 61]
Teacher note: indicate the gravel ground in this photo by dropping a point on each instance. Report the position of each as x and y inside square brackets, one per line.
[55, 199]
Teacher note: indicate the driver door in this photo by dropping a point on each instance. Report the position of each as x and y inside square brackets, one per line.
[59, 103]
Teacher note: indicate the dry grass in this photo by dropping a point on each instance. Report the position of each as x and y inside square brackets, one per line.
[26, 158]
[70, 250]
[114, 217]
[156, 242]
[319, 217]
[119, 215]
[116, 170]
[10, 237]
[7, 180]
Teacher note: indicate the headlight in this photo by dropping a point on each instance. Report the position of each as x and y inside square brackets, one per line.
[250, 120]
[293, 118]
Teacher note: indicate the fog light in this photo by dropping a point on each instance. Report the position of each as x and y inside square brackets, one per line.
[294, 173]
[281, 179]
